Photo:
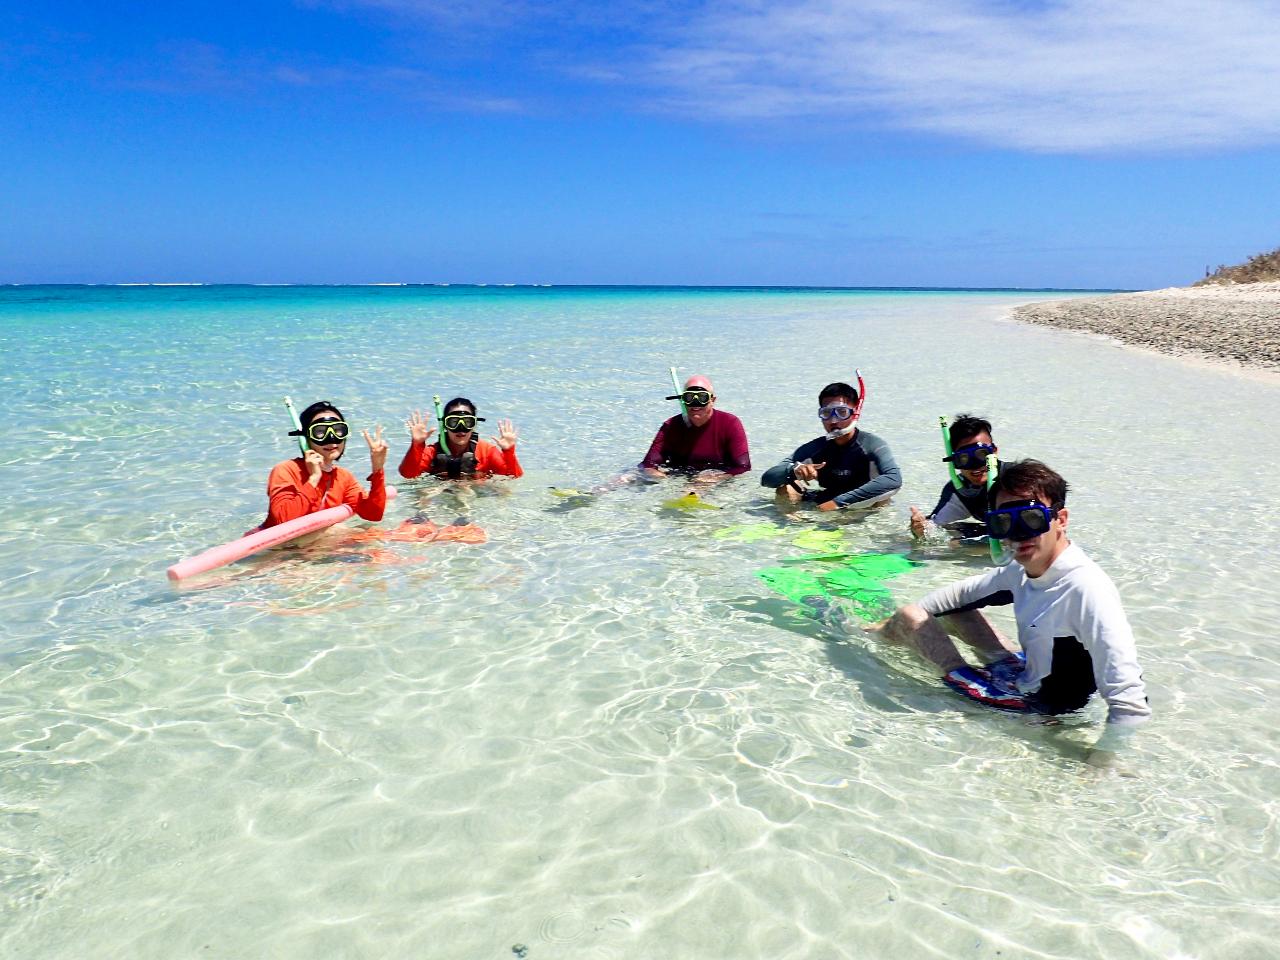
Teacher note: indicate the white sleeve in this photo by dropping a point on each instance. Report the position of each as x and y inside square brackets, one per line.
[963, 593]
[953, 511]
[1104, 631]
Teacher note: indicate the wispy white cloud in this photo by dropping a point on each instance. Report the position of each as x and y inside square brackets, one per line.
[1059, 76]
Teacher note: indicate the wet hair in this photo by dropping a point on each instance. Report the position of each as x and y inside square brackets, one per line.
[1027, 479]
[966, 425]
[833, 391]
[460, 401]
[312, 413]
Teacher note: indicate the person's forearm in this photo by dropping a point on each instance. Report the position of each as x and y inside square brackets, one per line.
[372, 505]
[778, 474]
[871, 490]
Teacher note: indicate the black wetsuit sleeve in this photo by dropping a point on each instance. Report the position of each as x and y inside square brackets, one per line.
[890, 478]
[784, 472]
[778, 474]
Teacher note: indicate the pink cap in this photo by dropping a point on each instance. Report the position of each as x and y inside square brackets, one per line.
[698, 382]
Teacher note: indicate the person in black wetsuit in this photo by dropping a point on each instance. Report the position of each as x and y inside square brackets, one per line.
[962, 511]
[852, 468]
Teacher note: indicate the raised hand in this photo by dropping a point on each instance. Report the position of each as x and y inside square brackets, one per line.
[377, 448]
[917, 524]
[420, 430]
[808, 471]
[507, 436]
[313, 463]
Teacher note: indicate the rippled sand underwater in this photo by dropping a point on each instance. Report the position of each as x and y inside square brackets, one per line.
[600, 734]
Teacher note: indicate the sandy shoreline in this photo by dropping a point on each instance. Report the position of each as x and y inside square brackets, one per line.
[1238, 325]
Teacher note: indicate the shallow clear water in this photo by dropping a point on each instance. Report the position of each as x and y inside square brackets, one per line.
[599, 734]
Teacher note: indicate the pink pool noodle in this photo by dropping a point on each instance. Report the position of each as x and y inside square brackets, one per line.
[220, 556]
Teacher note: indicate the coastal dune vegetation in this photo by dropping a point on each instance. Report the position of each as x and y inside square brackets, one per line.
[1260, 268]
[1232, 315]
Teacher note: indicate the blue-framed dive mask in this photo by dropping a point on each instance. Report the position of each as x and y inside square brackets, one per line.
[835, 412]
[1020, 520]
[972, 457]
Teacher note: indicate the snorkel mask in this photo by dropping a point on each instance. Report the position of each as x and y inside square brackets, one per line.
[461, 422]
[972, 457]
[838, 411]
[322, 432]
[325, 426]
[461, 419]
[692, 395]
[1020, 520]
[693, 398]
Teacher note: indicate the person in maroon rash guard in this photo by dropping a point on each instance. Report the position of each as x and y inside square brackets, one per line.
[711, 446]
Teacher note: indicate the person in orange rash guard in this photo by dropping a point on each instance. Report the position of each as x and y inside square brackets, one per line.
[315, 482]
[468, 456]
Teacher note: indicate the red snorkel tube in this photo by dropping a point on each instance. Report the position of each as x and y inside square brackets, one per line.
[857, 410]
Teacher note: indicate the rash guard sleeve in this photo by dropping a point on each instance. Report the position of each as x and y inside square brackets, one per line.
[492, 459]
[371, 505]
[737, 457]
[657, 449]
[1105, 632]
[418, 459]
[289, 496]
[784, 472]
[889, 479]
[950, 508]
[778, 474]
[990, 588]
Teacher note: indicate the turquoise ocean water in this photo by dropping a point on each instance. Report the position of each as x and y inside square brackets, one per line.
[600, 734]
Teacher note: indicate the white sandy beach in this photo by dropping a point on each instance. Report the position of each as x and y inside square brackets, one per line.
[1239, 324]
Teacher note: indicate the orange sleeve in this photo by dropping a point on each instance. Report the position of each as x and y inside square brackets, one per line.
[289, 496]
[418, 459]
[491, 458]
[368, 506]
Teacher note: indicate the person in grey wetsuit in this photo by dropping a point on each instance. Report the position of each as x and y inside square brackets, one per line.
[852, 468]
[1075, 639]
[963, 510]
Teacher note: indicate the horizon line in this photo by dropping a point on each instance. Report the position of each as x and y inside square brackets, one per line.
[580, 286]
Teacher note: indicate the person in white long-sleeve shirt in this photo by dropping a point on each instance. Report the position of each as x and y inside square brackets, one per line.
[1074, 636]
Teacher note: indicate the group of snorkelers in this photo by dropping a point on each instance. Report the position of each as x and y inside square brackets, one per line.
[1073, 636]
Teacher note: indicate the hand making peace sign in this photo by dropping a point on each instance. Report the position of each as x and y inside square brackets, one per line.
[377, 448]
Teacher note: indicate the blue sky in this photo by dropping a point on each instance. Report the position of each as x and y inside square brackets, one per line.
[1078, 143]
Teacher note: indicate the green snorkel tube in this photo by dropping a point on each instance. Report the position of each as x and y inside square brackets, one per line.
[675, 385]
[297, 425]
[440, 423]
[997, 551]
[946, 445]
